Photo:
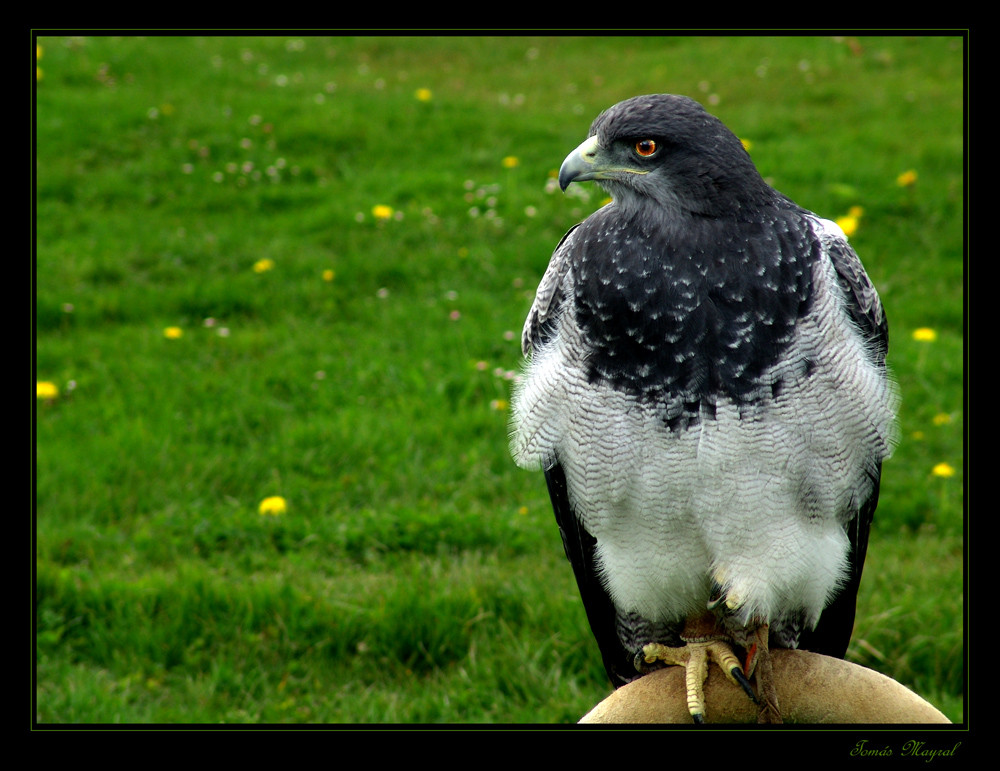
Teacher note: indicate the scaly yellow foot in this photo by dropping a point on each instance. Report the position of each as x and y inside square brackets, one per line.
[703, 644]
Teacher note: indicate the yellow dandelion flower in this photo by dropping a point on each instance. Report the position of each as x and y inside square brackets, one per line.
[173, 333]
[46, 390]
[855, 211]
[522, 510]
[423, 94]
[848, 224]
[263, 266]
[747, 144]
[510, 162]
[907, 178]
[941, 419]
[274, 505]
[328, 275]
[382, 212]
[924, 335]
[943, 470]
[499, 404]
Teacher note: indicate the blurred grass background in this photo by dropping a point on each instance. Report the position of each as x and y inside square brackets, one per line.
[298, 267]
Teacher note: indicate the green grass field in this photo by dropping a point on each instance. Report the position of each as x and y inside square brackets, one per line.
[298, 267]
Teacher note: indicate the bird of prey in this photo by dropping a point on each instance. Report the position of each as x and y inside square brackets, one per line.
[707, 394]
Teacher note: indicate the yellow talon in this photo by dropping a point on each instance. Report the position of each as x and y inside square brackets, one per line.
[694, 657]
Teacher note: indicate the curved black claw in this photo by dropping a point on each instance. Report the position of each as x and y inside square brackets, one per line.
[738, 675]
[698, 718]
[716, 595]
[644, 667]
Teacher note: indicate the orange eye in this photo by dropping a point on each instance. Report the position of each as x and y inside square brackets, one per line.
[645, 147]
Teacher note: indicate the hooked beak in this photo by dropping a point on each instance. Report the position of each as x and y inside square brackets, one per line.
[581, 164]
[591, 161]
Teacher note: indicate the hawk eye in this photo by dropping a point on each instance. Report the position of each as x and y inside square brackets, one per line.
[645, 147]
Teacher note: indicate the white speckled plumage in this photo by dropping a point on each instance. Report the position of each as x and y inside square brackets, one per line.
[760, 497]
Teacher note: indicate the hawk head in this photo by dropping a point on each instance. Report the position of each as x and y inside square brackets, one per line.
[667, 150]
